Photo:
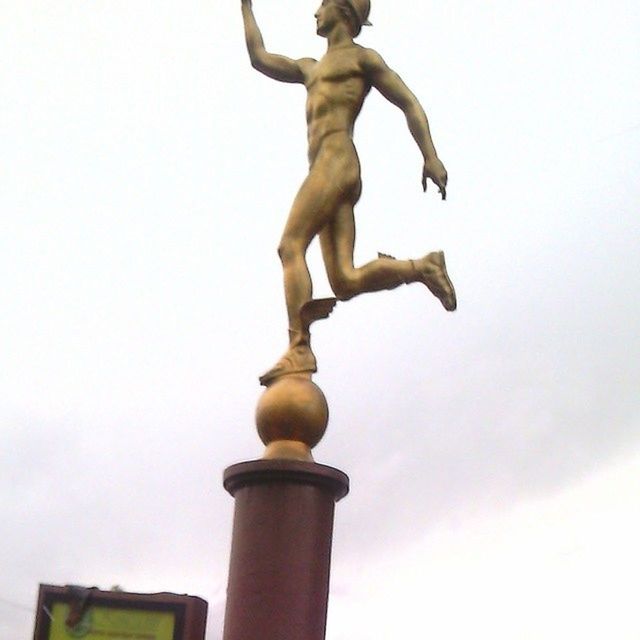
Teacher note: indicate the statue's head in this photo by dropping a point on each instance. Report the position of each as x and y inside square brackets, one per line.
[354, 12]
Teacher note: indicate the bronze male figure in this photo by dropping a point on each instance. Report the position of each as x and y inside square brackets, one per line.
[336, 88]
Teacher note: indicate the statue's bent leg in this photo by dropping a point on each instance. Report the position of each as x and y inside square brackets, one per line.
[337, 241]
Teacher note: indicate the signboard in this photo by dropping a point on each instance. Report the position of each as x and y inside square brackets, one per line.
[72, 613]
[112, 623]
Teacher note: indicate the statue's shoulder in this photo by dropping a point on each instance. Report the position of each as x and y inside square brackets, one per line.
[370, 58]
[306, 65]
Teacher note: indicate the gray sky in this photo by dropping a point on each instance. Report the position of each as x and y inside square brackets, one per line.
[494, 453]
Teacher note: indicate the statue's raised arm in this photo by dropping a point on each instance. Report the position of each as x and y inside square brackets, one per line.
[273, 65]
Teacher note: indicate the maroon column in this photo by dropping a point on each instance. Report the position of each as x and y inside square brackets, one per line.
[281, 549]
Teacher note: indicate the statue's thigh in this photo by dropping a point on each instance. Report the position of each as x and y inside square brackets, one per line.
[314, 206]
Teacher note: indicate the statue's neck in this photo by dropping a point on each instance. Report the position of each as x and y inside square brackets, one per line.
[339, 37]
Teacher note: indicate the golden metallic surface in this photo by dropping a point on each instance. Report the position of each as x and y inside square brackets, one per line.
[337, 86]
[291, 416]
[287, 450]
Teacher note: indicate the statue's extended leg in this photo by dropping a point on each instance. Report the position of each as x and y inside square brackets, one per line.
[331, 178]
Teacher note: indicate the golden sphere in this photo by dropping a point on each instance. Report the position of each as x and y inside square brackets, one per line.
[293, 408]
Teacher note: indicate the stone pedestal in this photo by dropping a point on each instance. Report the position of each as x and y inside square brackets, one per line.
[281, 549]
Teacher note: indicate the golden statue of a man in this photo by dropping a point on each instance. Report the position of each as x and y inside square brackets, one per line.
[336, 88]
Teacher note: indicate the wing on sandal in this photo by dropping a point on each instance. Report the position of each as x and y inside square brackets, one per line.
[316, 310]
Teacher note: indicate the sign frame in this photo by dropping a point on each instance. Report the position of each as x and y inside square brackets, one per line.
[189, 612]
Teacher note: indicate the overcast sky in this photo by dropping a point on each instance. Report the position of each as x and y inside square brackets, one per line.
[146, 173]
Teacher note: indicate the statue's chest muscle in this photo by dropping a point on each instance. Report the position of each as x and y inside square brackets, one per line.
[335, 69]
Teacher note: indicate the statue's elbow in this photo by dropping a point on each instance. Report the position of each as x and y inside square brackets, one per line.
[256, 58]
[413, 110]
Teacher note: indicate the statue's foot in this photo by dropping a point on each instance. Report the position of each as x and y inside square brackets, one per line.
[432, 272]
[299, 359]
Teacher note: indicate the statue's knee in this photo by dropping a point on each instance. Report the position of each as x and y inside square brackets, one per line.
[344, 294]
[345, 287]
[286, 251]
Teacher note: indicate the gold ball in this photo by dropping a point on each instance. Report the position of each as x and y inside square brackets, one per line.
[292, 408]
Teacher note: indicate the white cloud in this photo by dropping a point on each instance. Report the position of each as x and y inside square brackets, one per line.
[552, 568]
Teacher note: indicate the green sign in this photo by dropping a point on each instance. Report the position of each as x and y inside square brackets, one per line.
[107, 623]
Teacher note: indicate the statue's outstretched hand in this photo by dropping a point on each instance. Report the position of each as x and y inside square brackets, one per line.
[434, 170]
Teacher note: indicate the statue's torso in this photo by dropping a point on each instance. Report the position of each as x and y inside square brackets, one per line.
[336, 87]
